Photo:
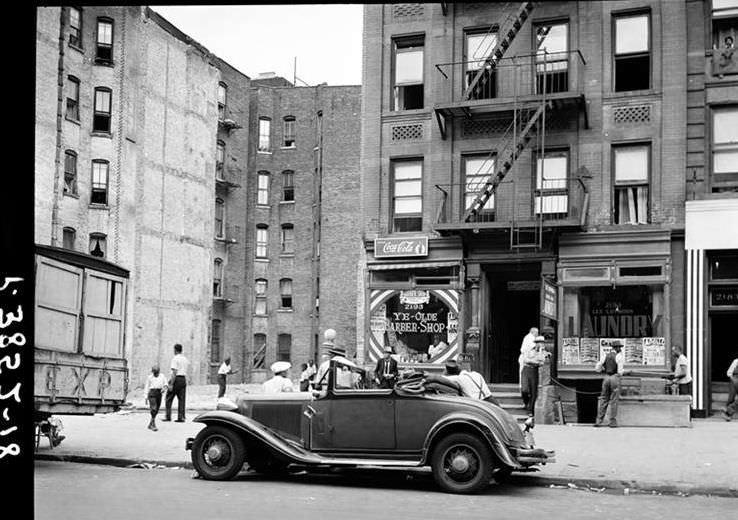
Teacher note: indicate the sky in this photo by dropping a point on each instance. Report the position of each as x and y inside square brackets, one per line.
[325, 39]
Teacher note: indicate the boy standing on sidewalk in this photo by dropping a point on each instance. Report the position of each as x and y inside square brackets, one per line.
[156, 384]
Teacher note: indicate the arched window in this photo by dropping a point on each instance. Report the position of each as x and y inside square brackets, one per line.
[288, 185]
[218, 278]
[101, 114]
[288, 238]
[265, 127]
[262, 240]
[219, 218]
[69, 237]
[288, 132]
[285, 293]
[284, 347]
[100, 172]
[104, 52]
[260, 296]
[75, 27]
[222, 97]
[262, 188]
[98, 245]
[70, 172]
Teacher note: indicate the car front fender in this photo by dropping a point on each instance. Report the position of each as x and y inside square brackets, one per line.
[460, 420]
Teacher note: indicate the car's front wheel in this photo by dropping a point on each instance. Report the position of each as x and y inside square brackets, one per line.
[462, 463]
[218, 453]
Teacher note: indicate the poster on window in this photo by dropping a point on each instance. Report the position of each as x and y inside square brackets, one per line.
[606, 345]
[570, 351]
[633, 351]
[589, 351]
[654, 351]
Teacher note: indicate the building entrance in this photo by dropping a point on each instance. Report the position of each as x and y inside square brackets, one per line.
[514, 307]
[722, 344]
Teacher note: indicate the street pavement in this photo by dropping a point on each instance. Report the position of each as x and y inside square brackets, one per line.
[702, 459]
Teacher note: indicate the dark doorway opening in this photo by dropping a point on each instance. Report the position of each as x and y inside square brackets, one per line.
[514, 307]
[722, 344]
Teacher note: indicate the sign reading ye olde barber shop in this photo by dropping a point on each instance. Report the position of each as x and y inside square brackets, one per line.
[400, 247]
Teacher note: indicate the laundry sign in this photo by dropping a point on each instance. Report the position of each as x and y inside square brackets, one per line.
[400, 247]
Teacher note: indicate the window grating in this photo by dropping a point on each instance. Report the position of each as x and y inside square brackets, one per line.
[632, 115]
[407, 132]
[407, 10]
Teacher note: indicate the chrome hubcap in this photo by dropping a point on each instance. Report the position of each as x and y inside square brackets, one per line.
[216, 452]
[460, 464]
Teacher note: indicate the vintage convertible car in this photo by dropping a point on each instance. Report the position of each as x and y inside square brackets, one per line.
[466, 442]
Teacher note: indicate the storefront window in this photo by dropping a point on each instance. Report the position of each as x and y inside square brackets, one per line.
[595, 316]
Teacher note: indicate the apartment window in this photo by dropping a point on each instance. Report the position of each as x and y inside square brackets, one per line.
[478, 169]
[631, 183]
[98, 246]
[101, 116]
[288, 131]
[408, 74]
[285, 293]
[72, 111]
[288, 185]
[75, 26]
[69, 237]
[219, 218]
[260, 296]
[725, 24]
[222, 97]
[70, 172]
[284, 347]
[100, 170]
[219, 159]
[215, 341]
[262, 240]
[552, 171]
[265, 125]
[632, 52]
[552, 57]
[259, 359]
[262, 188]
[408, 195]
[288, 238]
[104, 53]
[478, 46]
[724, 148]
[218, 278]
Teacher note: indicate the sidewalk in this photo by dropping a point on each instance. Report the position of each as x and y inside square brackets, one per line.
[698, 460]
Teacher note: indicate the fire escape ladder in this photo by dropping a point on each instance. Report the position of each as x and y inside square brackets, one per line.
[506, 158]
[508, 32]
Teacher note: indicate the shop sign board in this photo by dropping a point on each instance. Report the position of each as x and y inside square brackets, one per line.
[414, 297]
[400, 247]
[548, 300]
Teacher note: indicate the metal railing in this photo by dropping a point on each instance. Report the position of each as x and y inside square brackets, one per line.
[516, 202]
[521, 75]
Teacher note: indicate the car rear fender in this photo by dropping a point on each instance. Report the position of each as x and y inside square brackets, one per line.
[256, 433]
[457, 422]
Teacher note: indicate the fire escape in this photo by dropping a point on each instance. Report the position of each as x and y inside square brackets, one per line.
[511, 98]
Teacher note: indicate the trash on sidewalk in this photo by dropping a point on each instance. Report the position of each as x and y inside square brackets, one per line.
[149, 465]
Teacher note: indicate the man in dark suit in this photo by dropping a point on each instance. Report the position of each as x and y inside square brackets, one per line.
[386, 371]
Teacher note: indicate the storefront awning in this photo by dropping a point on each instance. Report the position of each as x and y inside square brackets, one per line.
[413, 265]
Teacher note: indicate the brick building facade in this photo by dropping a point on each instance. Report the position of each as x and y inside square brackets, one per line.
[523, 165]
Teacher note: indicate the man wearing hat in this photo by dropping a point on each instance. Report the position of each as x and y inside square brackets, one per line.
[279, 382]
[613, 366]
[531, 357]
[386, 370]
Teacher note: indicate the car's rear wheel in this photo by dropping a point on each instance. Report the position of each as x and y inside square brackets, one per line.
[218, 453]
[462, 463]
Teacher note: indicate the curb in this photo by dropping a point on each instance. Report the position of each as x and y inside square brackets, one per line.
[589, 484]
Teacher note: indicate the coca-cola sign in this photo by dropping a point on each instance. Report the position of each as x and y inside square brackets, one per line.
[400, 247]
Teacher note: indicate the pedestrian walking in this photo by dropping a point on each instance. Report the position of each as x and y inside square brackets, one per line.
[681, 375]
[224, 370]
[385, 373]
[613, 365]
[156, 385]
[177, 385]
[279, 382]
[732, 405]
[532, 358]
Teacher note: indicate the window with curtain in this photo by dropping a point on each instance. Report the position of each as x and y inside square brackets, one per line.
[265, 126]
[631, 183]
[98, 244]
[70, 172]
[288, 132]
[407, 195]
[262, 188]
[285, 293]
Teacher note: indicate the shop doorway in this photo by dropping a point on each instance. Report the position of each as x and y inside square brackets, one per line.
[722, 344]
[514, 307]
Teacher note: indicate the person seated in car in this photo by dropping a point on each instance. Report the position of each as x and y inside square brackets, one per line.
[472, 383]
[344, 378]
[385, 373]
[279, 382]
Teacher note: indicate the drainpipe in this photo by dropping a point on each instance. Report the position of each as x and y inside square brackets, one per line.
[59, 118]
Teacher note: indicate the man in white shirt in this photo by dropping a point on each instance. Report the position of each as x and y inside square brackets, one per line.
[472, 383]
[177, 384]
[279, 382]
[681, 374]
[223, 371]
[156, 385]
[531, 357]
[732, 405]
[613, 365]
[529, 341]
